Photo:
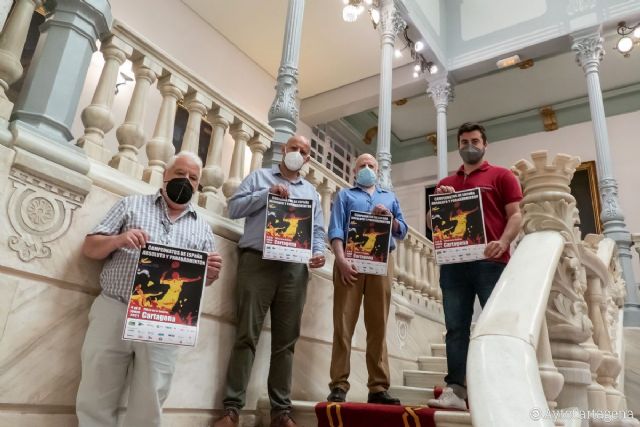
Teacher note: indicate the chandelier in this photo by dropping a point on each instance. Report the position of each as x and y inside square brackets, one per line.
[354, 8]
[629, 37]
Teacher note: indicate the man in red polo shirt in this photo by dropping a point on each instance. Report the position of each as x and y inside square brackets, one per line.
[460, 283]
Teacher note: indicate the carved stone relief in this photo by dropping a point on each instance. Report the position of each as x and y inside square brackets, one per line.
[39, 212]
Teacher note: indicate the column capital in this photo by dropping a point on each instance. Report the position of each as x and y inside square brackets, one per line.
[198, 102]
[146, 68]
[115, 48]
[440, 91]
[172, 85]
[241, 131]
[391, 23]
[589, 48]
[259, 143]
[220, 116]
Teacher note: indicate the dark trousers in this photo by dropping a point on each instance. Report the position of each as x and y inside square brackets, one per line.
[263, 285]
[460, 283]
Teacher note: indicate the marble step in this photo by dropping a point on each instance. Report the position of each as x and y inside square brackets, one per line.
[414, 396]
[432, 363]
[452, 419]
[424, 379]
[439, 350]
[303, 412]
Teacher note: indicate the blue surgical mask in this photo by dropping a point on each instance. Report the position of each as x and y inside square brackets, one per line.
[366, 177]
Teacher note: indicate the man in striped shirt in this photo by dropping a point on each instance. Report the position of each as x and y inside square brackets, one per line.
[166, 217]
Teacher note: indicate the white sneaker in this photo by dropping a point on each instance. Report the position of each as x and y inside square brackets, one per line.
[448, 400]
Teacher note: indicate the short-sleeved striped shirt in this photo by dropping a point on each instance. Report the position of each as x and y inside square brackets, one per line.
[148, 213]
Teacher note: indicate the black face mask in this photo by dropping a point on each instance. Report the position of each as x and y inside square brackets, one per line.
[179, 190]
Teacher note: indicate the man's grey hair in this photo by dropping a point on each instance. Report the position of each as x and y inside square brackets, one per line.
[189, 155]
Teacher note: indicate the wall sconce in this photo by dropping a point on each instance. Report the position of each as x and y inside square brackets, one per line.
[629, 37]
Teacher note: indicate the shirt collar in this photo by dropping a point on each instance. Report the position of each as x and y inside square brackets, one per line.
[275, 169]
[163, 203]
[483, 167]
[378, 189]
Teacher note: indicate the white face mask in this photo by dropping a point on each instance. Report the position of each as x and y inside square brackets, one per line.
[293, 160]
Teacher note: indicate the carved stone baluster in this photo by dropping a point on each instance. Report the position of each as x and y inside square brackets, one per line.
[197, 105]
[549, 205]
[12, 39]
[425, 275]
[596, 392]
[552, 380]
[130, 134]
[401, 271]
[212, 179]
[241, 134]
[258, 145]
[326, 190]
[160, 148]
[98, 117]
[418, 283]
[410, 283]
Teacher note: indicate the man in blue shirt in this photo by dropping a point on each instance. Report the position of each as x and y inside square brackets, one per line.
[350, 286]
[268, 284]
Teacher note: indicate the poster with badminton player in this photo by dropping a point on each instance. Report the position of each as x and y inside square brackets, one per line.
[368, 242]
[164, 306]
[288, 229]
[458, 226]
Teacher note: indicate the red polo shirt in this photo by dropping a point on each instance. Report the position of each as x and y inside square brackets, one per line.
[499, 187]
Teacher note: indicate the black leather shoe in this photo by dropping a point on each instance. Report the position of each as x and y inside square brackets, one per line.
[337, 395]
[383, 398]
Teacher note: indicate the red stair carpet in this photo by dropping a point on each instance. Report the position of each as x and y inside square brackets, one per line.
[369, 415]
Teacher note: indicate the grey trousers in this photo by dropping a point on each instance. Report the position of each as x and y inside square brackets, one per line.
[106, 360]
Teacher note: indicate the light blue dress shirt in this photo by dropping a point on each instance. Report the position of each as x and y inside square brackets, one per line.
[250, 201]
[357, 199]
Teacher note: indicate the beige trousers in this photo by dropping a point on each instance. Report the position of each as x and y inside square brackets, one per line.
[107, 362]
[374, 293]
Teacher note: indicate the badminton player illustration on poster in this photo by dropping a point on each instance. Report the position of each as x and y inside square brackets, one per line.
[458, 226]
[164, 306]
[288, 229]
[368, 242]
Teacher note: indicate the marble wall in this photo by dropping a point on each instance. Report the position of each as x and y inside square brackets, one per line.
[43, 317]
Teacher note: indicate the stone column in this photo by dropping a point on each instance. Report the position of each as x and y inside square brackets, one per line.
[283, 115]
[417, 264]
[130, 134]
[549, 206]
[212, 179]
[12, 39]
[589, 54]
[160, 148]
[258, 145]
[409, 242]
[5, 6]
[390, 24]
[441, 92]
[97, 117]
[326, 190]
[52, 86]
[197, 105]
[424, 268]
[401, 271]
[241, 134]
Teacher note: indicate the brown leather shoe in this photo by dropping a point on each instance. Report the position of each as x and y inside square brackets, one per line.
[283, 420]
[229, 419]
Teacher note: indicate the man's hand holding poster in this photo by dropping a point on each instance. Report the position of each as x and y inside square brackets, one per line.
[288, 229]
[164, 306]
[368, 242]
[458, 226]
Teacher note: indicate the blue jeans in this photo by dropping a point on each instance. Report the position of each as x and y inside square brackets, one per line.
[460, 283]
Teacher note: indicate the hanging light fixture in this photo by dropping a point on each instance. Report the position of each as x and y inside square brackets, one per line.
[354, 8]
[629, 37]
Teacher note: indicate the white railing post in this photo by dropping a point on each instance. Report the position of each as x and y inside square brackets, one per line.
[241, 134]
[211, 197]
[258, 145]
[130, 134]
[98, 118]
[197, 105]
[160, 148]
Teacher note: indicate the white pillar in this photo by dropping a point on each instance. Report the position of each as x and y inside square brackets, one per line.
[241, 134]
[130, 134]
[390, 24]
[212, 179]
[326, 190]
[197, 105]
[12, 39]
[160, 148]
[441, 92]
[283, 115]
[589, 54]
[98, 117]
[258, 145]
